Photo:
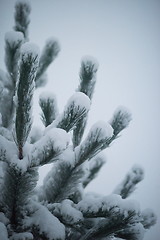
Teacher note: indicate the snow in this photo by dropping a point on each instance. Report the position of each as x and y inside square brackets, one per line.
[52, 41]
[59, 138]
[123, 114]
[46, 223]
[3, 219]
[6, 133]
[28, 49]
[51, 97]
[22, 236]
[35, 134]
[139, 230]
[98, 135]
[11, 154]
[71, 212]
[135, 175]
[80, 100]
[14, 37]
[89, 60]
[56, 138]
[3, 232]
[136, 231]
[20, 165]
[138, 172]
[68, 211]
[99, 159]
[94, 204]
[68, 156]
[8, 148]
[47, 95]
[149, 218]
[105, 130]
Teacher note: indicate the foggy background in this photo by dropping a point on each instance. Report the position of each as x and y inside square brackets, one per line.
[124, 36]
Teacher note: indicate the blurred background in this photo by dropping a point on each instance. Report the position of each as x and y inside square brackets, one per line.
[124, 36]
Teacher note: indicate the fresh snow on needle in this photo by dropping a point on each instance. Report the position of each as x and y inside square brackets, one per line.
[47, 95]
[79, 99]
[56, 139]
[29, 49]
[3, 232]
[22, 236]
[13, 37]
[106, 131]
[89, 60]
[47, 223]
[92, 204]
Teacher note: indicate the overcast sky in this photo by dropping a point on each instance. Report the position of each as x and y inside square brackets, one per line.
[124, 36]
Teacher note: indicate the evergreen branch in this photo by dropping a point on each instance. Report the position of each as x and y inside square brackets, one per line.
[5, 155]
[48, 105]
[74, 173]
[21, 16]
[111, 226]
[66, 212]
[37, 222]
[49, 53]
[89, 67]
[148, 218]
[128, 185]
[78, 131]
[120, 120]
[28, 68]
[108, 206]
[95, 164]
[6, 107]
[134, 232]
[77, 107]
[17, 189]
[97, 139]
[13, 41]
[57, 188]
[49, 147]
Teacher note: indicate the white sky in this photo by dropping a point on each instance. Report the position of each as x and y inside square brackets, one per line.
[124, 36]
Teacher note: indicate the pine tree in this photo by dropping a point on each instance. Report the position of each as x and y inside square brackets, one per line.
[59, 209]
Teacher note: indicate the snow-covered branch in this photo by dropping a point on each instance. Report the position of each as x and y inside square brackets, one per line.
[49, 53]
[21, 16]
[48, 104]
[76, 108]
[96, 140]
[128, 185]
[120, 120]
[28, 68]
[49, 147]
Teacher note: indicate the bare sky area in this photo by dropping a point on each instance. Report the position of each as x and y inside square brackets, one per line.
[124, 36]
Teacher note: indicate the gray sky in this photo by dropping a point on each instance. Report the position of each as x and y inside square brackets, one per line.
[124, 36]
